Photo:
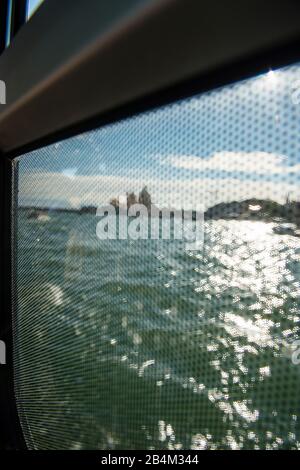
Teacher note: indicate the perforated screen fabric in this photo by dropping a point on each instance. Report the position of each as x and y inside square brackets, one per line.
[129, 336]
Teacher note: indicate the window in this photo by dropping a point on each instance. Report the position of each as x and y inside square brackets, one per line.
[32, 6]
[13, 15]
[163, 341]
[8, 23]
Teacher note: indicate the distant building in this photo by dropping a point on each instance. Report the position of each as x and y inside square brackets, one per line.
[145, 198]
[131, 199]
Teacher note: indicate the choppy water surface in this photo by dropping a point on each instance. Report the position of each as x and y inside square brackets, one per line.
[142, 344]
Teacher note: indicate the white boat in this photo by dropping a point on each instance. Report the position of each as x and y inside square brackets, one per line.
[40, 215]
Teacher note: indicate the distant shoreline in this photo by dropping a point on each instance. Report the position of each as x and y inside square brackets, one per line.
[250, 209]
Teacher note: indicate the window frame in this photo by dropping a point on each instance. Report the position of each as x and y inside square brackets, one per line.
[12, 18]
[18, 16]
[66, 66]
[4, 10]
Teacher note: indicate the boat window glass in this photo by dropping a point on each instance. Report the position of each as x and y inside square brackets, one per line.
[32, 6]
[157, 277]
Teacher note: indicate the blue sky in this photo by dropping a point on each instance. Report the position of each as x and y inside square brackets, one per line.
[235, 142]
[32, 5]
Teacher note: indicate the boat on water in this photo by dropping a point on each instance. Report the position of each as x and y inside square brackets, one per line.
[40, 215]
[286, 229]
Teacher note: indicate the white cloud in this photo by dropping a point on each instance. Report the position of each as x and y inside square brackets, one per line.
[70, 172]
[260, 163]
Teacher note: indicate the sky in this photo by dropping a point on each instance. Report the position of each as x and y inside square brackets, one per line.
[32, 5]
[233, 143]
